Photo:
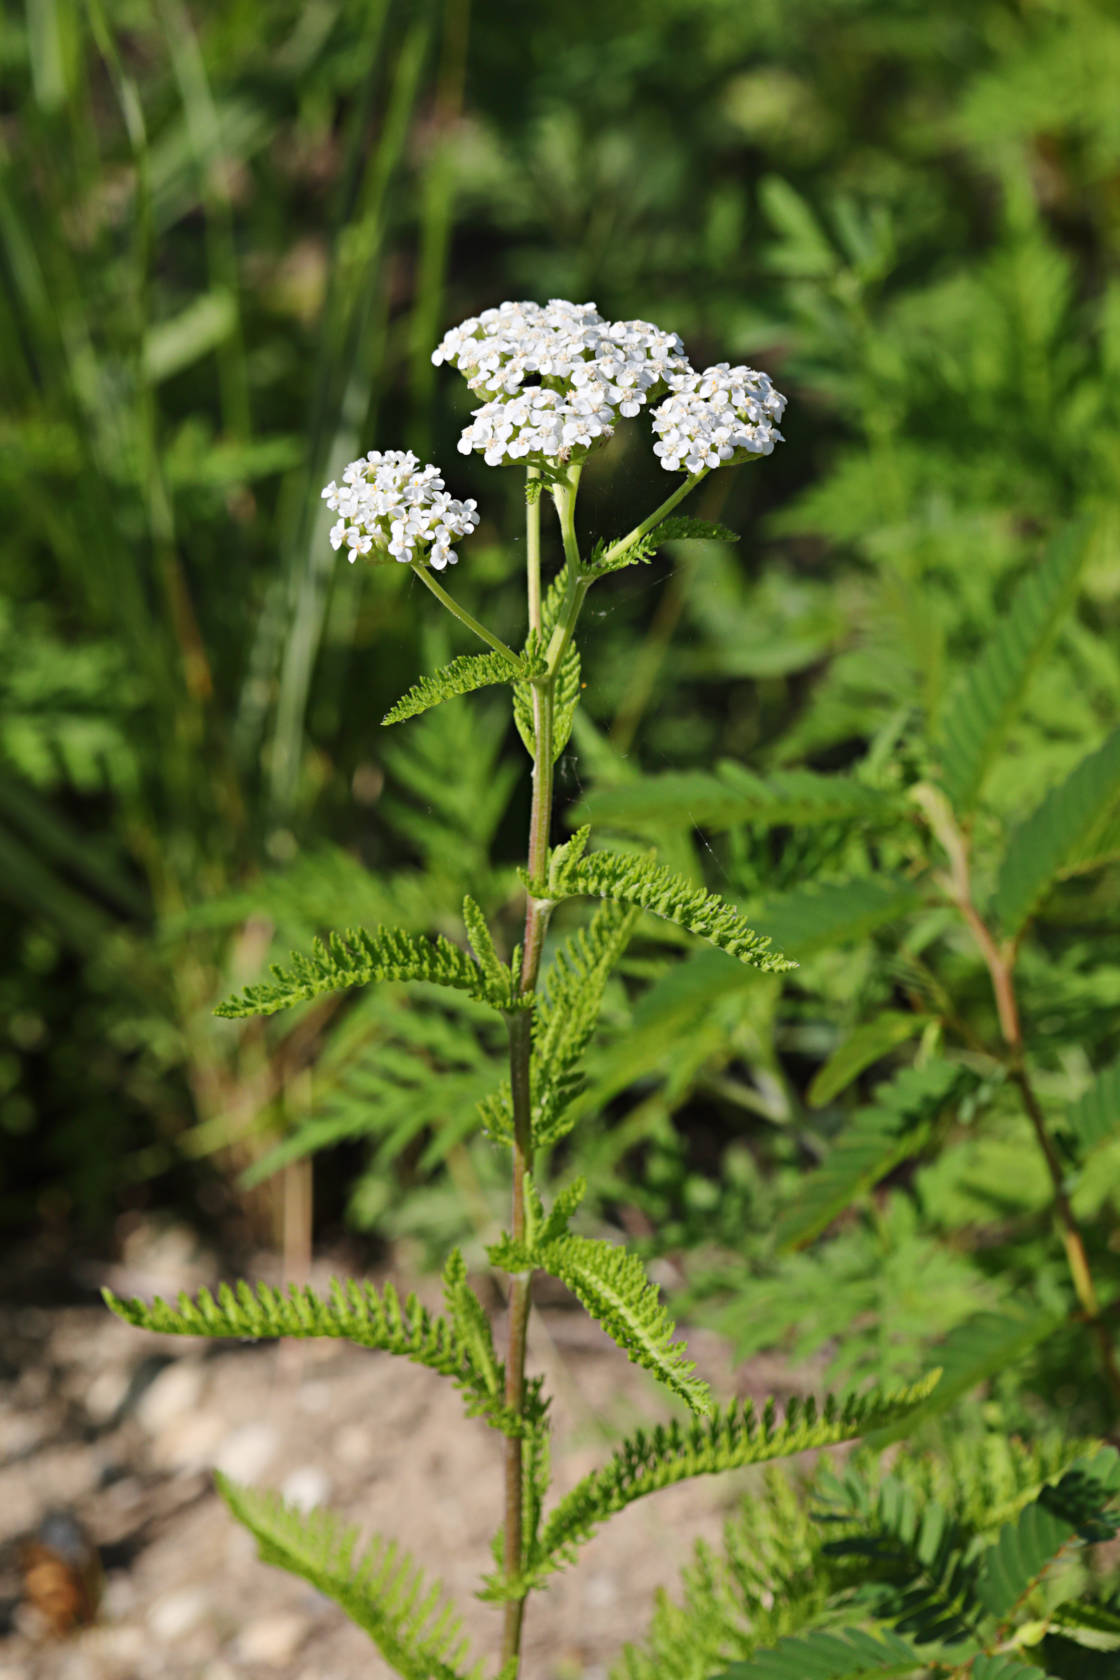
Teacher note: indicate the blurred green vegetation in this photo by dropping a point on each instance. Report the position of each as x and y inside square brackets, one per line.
[231, 236]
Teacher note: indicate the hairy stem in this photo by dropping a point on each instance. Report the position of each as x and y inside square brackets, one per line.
[533, 551]
[461, 613]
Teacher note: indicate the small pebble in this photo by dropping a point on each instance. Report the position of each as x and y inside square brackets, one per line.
[176, 1390]
[273, 1641]
[190, 1443]
[105, 1393]
[247, 1451]
[126, 1644]
[176, 1614]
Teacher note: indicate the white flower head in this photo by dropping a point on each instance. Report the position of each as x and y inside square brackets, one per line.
[576, 371]
[394, 509]
[723, 415]
[538, 425]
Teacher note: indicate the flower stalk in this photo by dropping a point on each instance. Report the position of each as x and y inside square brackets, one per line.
[462, 614]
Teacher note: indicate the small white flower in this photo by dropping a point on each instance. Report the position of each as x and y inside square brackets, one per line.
[591, 371]
[389, 508]
[724, 414]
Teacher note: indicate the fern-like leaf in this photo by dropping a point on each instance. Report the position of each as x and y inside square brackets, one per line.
[566, 697]
[732, 1437]
[461, 676]
[896, 1126]
[1080, 1507]
[567, 684]
[850, 1654]
[482, 944]
[1092, 1615]
[734, 795]
[646, 885]
[355, 1312]
[411, 1622]
[611, 1283]
[472, 1326]
[979, 1348]
[867, 1044]
[829, 913]
[567, 1014]
[1002, 1666]
[357, 957]
[568, 1004]
[916, 1549]
[1095, 1117]
[982, 710]
[1060, 837]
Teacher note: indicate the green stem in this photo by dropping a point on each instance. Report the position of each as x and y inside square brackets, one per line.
[655, 517]
[520, 1063]
[533, 552]
[461, 613]
[579, 580]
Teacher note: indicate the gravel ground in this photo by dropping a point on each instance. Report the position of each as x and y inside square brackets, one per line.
[122, 1431]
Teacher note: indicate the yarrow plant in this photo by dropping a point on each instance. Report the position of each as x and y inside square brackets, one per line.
[555, 380]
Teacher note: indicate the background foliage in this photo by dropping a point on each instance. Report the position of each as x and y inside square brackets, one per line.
[230, 238]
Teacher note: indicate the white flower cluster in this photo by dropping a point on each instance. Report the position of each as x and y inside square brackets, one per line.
[537, 424]
[385, 505]
[725, 414]
[584, 372]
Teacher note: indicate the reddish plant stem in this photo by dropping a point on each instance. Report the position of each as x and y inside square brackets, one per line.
[999, 959]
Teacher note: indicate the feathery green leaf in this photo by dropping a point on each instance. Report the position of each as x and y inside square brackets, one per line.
[915, 1544]
[568, 1012]
[1002, 1666]
[611, 1283]
[568, 1004]
[982, 710]
[461, 676]
[732, 1437]
[827, 913]
[977, 1349]
[551, 1227]
[412, 1623]
[847, 1654]
[355, 1312]
[1060, 837]
[472, 1326]
[646, 885]
[567, 684]
[357, 957]
[482, 944]
[868, 1044]
[1021, 1554]
[896, 1126]
[734, 795]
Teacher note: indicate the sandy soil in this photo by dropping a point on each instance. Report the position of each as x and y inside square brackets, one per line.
[122, 1430]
